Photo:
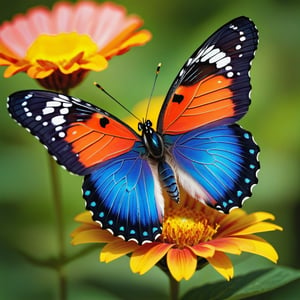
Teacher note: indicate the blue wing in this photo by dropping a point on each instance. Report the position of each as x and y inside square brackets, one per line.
[217, 165]
[122, 197]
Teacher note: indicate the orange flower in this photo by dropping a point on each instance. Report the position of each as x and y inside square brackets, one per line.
[193, 235]
[59, 47]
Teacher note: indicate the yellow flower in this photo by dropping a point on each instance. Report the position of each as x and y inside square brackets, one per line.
[60, 46]
[193, 235]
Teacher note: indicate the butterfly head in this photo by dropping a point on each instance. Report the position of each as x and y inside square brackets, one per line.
[145, 127]
[152, 140]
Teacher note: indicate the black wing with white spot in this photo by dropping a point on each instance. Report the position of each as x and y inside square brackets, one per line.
[78, 134]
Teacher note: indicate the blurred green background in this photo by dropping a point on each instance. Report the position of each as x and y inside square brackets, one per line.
[179, 27]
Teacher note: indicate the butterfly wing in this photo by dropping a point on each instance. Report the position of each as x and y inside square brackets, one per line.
[124, 199]
[213, 85]
[121, 188]
[78, 134]
[215, 161]
[216, 165]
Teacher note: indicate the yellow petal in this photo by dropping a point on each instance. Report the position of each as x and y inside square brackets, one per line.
[82, 227]
[84, 217]
[146, 256]
[182, 263]
[96, 235]
[224, 245]
[61, 48]
[36, 72]
[117, 249]
[16, 68]
[256, 245]
[95, 63]
[258, 227]
[137, 39]
[67, 52]
[124, 41]
[238, 220]
[222, 264]
[203, 251]
[261, 216]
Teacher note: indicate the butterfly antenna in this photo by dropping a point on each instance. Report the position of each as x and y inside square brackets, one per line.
[118, 102]
[153, 88]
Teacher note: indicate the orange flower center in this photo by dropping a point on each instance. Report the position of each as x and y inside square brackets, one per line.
[187, 227]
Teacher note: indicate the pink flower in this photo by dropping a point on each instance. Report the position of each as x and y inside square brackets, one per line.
[59, 46]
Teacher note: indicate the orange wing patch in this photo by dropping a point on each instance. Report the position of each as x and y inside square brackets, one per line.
[99, 139]
[202, 103]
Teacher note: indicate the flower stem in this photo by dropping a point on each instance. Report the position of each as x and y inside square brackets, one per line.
[60, 228]
[174, 288]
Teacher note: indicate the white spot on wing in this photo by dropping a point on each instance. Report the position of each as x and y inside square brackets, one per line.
[58, 120]
[58, 128]
[181, 72]
[230, 74]
[64, 97]
[217, 57]
[199, 54]
[61, 134]
[67, 104]
[210, 54]
[64, 111]
[190, 60]
[48, 110]
[53, 104]
[223, 62]
[207, 50]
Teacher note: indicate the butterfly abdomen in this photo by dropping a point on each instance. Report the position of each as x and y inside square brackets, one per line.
[168, 179]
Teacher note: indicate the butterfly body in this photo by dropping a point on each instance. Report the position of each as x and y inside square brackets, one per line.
[155, 146]
[197, 145]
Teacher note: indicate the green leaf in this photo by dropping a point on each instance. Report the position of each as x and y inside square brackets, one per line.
[251, 284]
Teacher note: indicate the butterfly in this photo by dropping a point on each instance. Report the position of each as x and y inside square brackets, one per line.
[197, 143]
